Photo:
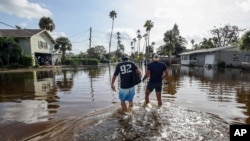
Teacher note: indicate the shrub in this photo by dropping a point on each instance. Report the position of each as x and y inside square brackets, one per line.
[90, 62]
[26, 61]
[221, 64]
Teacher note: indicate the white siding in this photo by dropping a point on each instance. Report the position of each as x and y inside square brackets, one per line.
[209, 59]
[44, 39]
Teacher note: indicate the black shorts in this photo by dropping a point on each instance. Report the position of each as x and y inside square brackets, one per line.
[156, 86]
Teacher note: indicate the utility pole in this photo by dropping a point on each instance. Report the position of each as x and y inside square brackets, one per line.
[90, 37]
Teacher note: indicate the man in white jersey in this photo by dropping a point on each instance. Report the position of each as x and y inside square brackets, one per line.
[127, 88]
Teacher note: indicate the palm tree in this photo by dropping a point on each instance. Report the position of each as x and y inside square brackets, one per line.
[192, 42]
[62, 45]
[170, 39]
[153, 45]
[112, 15]
[148, 25]
[145, 43]
[139, 39]
[131, 43]
[47, 24]
[134, 40]
[118, 40]
[244, 43]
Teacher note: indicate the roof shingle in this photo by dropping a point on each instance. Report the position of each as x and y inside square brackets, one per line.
[19, 32]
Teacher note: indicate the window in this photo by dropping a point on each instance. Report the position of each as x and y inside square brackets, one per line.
[236, 57]
[42, 45]
[185, 57]
[247, 58]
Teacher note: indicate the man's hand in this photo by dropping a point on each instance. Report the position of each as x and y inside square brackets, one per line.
[113, 87]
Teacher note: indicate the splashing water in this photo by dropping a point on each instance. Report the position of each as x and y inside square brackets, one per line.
[151, 123]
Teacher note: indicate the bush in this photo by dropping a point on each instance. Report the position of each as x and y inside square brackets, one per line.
[191, 64]
[221, 64]
[26, 61]
[90, 62]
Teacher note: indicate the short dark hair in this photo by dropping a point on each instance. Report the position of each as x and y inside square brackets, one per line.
[155, 55]
[124, 57]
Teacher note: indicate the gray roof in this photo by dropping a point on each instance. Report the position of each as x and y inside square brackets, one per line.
[23, 33]
[207, 50]
[19, 33]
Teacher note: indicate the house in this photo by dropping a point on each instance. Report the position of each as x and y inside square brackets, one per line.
[37, 43]
[231, 55]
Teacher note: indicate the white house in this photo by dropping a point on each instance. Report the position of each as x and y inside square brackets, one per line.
[37, 43]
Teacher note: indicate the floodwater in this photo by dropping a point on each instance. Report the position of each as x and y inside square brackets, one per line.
[199, 104]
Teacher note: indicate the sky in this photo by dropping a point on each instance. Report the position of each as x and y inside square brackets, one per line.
[73, 18]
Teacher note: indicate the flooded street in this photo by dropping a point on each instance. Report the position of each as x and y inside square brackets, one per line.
[199, 104]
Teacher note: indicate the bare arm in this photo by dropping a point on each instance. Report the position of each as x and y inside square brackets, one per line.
[165, 75]
[139, 72]
[146, 75]
[112, 82]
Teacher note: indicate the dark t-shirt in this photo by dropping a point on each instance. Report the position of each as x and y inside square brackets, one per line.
[156, 71]
[125, 70]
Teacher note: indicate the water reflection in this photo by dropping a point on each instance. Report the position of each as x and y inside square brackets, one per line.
[213, 91]
[43, 95]
[27, 97]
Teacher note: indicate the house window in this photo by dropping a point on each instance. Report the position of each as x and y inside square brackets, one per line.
[183, 57]
[247, 58]
[236, 57]
[42, 45]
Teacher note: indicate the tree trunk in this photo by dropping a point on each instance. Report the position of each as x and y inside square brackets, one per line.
[111, 38]
[169, 56]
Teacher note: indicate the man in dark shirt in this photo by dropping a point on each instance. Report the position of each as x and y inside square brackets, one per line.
[156, 71]
[127, 89]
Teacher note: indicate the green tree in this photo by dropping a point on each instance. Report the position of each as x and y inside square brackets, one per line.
[207, 43]
[112, 15]
[47, 24]
[62, 45]
[148, 25]
[134, 40]
[192, 42]
[118, 40]
[172, 40]
[10, 50]
[97, 52]
[244, 43]
[145, 44]
[225, 36]
[132, 47]
[139, 40]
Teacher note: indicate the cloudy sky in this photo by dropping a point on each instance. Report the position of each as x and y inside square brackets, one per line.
[73, 18]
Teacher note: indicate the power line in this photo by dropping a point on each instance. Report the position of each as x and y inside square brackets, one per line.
[7, 25]
[84, 32]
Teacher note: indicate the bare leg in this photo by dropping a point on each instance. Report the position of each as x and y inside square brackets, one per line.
[147, 97]
[158, 96]
[124, 106]
[131, 104]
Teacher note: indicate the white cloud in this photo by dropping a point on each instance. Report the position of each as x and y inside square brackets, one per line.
[24, 9]
[195, 18]
[58, 34]
[23, 25]
[245, 5]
